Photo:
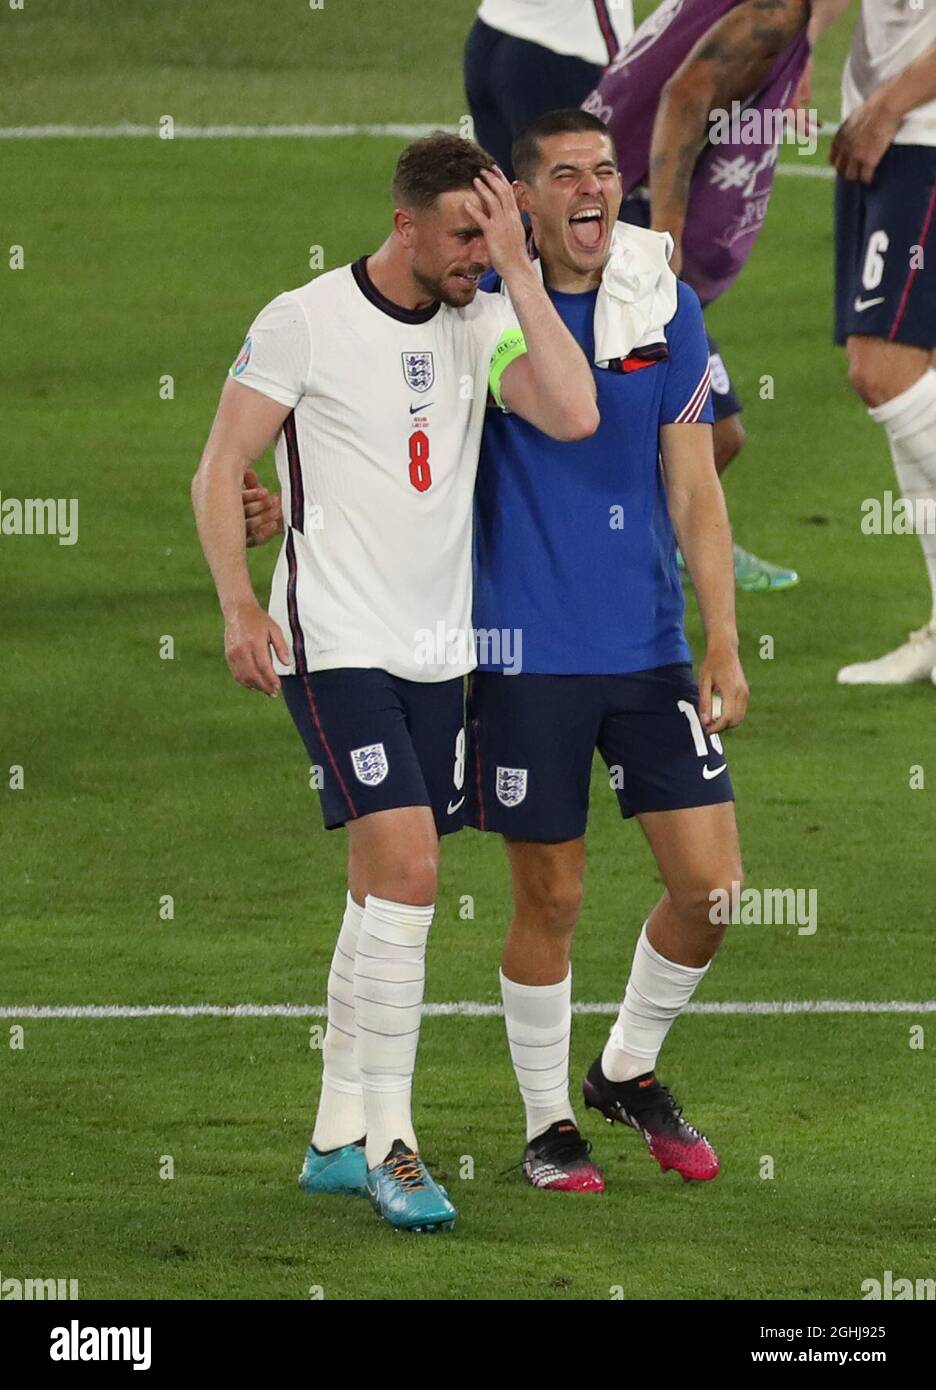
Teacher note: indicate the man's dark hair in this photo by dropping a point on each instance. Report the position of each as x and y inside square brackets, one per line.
[439, 163]
[525, 153]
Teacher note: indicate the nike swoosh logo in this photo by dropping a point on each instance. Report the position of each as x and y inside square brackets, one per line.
[414, 408]
[862, 304]
[709, 772]
[452, 809]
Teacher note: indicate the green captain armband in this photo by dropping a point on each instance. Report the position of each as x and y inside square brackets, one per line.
[510, 346]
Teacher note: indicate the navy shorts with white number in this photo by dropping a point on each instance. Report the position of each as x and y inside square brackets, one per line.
[381, 742]
[885, 250]
[531, 741]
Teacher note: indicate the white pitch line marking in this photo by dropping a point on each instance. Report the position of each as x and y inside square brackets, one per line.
[127, 130]
[808, 171]
[465, 1008]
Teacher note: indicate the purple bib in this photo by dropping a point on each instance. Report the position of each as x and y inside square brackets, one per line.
[732, 181]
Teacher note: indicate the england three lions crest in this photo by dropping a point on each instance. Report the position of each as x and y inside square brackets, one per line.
[418, 370]
[511, 786]
[370, 764]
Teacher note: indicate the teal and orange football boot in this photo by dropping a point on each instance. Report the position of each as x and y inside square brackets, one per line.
[402, 1192]
[342, 1170]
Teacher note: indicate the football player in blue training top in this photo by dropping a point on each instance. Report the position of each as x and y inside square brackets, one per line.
[575, 562]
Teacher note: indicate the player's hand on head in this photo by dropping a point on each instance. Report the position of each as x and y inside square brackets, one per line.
[263, 510]
[249, 633]
[723, 691]
[862, 141]
[493, 207]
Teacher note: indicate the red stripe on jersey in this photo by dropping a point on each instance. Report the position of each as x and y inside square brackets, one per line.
[292, 606]
[606, 27]
[296, 492]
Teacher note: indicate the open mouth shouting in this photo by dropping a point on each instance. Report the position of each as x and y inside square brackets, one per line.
[588, 226]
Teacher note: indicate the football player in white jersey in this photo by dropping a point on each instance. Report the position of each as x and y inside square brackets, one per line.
[885, 155]
[373, 380]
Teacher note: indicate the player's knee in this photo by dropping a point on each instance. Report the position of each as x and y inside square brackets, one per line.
[868, 373]
[727, 878]
[564, 907]
[728, 441]
[414, 880]
[554, 905]
[699, 901]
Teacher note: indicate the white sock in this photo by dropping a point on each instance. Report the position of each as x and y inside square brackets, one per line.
[389, 976]
[657, 992]
[910, 422]
[539, 1025]
[340, 1115]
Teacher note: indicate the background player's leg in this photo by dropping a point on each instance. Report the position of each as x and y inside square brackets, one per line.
[536, 980]
[697, 851]
[727, 440]
[393, 866]
[511, 81]
[752, 574]
[485, 97]
[897, 382]
[536, 80]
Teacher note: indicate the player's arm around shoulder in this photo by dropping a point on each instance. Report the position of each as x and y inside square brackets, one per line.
[700, 518]
[245, 424]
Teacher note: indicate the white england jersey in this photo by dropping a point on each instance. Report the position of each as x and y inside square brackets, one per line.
[888, 35]
[593, 30]
[377, 465]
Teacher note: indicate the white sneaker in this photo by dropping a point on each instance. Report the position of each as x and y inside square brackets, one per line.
[914, 661]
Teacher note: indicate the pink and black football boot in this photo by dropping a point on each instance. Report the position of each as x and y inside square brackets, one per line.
[559, 1160]
[649, 1108]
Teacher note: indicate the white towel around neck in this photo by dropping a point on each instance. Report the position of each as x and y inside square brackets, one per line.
[637, 295]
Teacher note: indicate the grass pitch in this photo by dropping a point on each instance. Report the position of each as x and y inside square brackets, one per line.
[145, 777]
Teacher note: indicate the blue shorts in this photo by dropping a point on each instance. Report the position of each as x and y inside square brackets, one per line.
[377, 742]
[725, 399]
[511, 81]
[531, 742]
[883, 230]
